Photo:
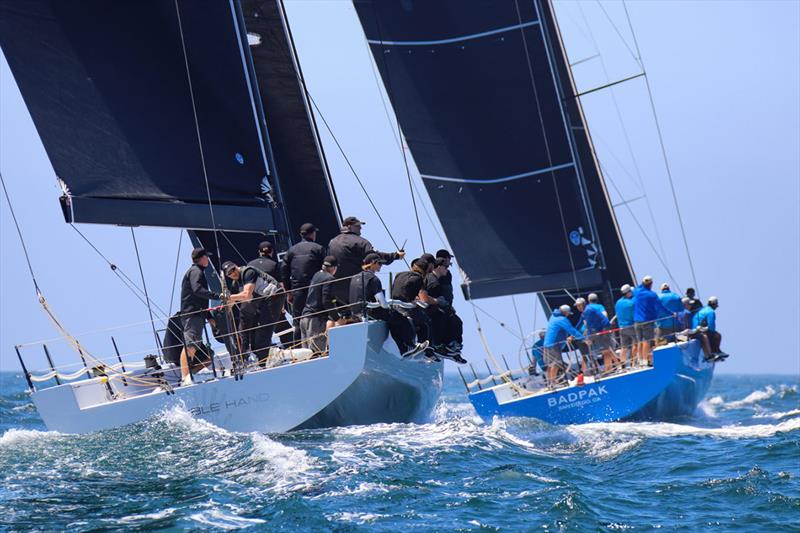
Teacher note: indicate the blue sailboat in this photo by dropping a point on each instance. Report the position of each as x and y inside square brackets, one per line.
[485, 98]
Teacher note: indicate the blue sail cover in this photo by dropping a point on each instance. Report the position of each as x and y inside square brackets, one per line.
[490, 118]
[138, 103]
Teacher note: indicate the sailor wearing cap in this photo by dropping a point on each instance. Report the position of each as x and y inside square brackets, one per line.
[299, 265]
[707, 318]
[409, 287]
[646, 309]
[270, 310]
[448, 329]
[446, 281]
[350, 248]
[624, 318]
[368, 288]
[538, 352]
[672, 302]
[320, 312]
[594, 316]
[559, 330]
[194, 303]
[245, 279]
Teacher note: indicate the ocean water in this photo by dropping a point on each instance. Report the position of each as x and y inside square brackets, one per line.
[734, 465]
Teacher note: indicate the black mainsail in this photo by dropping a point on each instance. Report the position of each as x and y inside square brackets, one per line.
[151, 110]
[486, 102]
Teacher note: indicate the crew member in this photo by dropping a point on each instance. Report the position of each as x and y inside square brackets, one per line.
[685, 318]
[299, 265]
[320, 313]
[695, 302]
[596, 322]
[448, 329]
[367, 288]
[350, 248]
[672, 302]
[538, 353]
[559, 329]
[624, 317]
[194, 303]
[409, 287]
[707, 318]
[646, 309]
[446, 281]
[269, 309]
[245, 281]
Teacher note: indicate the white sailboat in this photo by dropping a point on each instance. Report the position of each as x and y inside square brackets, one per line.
[238, 158]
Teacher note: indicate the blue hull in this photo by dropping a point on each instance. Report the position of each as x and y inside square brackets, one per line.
[673, 387]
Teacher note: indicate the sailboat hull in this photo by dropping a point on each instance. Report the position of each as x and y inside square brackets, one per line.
[315, 393]
[671, 388]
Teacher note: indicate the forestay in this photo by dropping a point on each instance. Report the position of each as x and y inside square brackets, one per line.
[485, 100]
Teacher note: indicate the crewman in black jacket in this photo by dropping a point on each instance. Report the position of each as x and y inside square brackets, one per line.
[300, 263]
[409, 287]
[270, 310]
[320, 312]
[194, 305]
[350, 248]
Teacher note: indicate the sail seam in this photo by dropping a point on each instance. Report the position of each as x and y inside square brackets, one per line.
[500, 180]
[455, 39]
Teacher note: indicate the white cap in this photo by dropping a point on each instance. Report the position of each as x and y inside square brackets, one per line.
[580, 301]
[665, 286]
[592, 297]
[541, 332]
[713, 300]
[565, 310]
[625, 289]
[647, 279]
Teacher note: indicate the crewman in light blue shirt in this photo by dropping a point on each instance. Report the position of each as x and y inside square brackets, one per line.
[559, 329]
[595, 320]
[646, 309]
[538, 351]
[624, 318]
[707, 318]
[672, 302]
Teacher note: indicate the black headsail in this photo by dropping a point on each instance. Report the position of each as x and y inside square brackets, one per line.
[485, 99]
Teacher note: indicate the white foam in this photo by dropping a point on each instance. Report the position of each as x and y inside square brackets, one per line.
[761, 395]
[778, 415]
[289, 469]
[663, 429]
[149, 516]
[179, 416]
[16, 436]
[217, 518]
[357, 518]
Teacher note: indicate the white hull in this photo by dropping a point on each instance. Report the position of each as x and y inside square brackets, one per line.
[363, 380]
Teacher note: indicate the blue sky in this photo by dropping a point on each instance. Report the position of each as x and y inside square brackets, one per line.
[725, 78]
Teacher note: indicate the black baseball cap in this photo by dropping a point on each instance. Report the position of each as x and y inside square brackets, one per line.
[370, 258]
[428, 258]
[307, 228]
[352, 220]
[421, 262]
[228, 266]
[329, 261]
[197, 253]
[266, 246]
[444, 253]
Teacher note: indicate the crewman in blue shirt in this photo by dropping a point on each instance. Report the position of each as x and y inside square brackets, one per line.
[646, 309]
[707, 318]
[672, 302]
[559, 329]
[624, 318]
[538, 352]
[595, 321]
[685, 321]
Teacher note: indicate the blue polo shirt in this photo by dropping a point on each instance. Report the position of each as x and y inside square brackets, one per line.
[624, 310]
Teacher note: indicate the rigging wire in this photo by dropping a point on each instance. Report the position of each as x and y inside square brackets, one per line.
[355, 174]
[547, 146]
[199, 139]
[19, 233]
[663, 148]
[144, 286]
[121, 275]
[399, 133]
[395, 132]
[627, 138]
[175, 274]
